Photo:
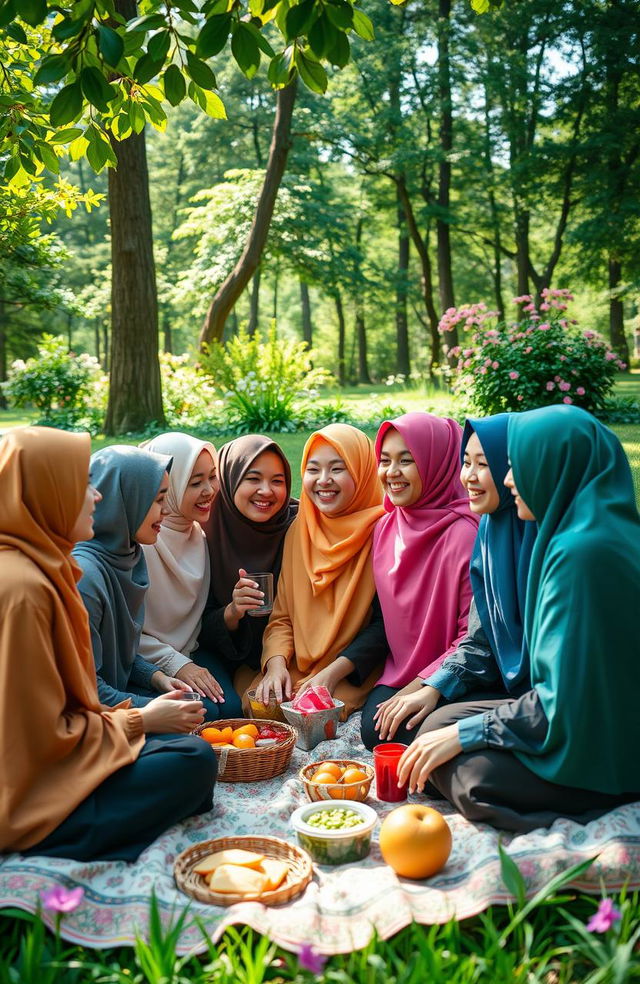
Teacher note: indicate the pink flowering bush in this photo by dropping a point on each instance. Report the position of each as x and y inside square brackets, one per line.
[540, 360]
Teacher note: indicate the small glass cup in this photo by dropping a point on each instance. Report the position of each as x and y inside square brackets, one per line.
[265, 584]
[190, 695]
[385, 762]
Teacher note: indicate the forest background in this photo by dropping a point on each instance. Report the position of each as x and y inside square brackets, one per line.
[457, 158]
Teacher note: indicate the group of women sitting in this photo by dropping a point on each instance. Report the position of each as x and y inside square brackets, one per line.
[473, 592]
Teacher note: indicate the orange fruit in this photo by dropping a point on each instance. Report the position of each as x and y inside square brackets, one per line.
[244, 741]
[331, 767]
[337, 793]
[212, 735]
[246, 729]
[354, 775]
[226, 734]
[323, 777]
[415, 840]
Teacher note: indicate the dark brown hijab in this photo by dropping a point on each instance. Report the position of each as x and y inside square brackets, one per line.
[235, 541]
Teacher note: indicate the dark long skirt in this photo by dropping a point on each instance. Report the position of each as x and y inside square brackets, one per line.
[172, 778]
[493, 786]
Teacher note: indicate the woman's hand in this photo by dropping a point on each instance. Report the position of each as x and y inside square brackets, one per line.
[199, 679]
[165, 684]
[425, 754]
[167, 714]
[246, 595]
[415, 705]
[330, 677]
[276, 680]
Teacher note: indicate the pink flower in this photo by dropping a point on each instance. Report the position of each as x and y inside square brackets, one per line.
[567, 399]
[309, 959]
[544, 327]
[604, 918]
[495, 365]
[551, 385]
[514, 375]
[563, 358]
[621, 365]
[545, 307]
[520, 396]
[609, 356]
[580, 390]
[565, 387]
[61, 899]
[528, 349]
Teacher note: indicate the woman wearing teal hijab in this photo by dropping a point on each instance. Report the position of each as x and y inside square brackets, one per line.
[567, 747]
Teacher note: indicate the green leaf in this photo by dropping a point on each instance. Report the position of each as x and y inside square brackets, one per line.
[48, 156]
[52, 68]
[64, 136]
[96, 151]
[322, 36]
[340, 14]
[260, 39]
[480, 6]
[32, 11]
[96, 88]
[158, 46]
[110, 44]
[213, 36]
[146, 69]
[7, 13]
[298, 18]
[200, 72]
[67, 105]
[214, 7]
[210, 102]
[280, 69]
[17, 33]
[11, 168]
[137, 117]
[340, 53]
[68, 28]
[362, 25]
[245, 50]
[149, 22]
[311, 72]
[175, 87]
[78, 147]
[511, 875]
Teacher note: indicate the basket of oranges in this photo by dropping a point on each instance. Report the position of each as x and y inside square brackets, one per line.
[248, 751]
[341, 780]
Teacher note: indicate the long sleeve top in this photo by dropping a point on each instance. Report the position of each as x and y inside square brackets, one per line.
[517, 725]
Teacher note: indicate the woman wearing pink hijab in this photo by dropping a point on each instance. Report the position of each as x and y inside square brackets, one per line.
[421, 552]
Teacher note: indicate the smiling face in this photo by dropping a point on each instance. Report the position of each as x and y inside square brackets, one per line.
[151, 525]
[398, 471]
[263, 490]
[201, 490]
[83, 527]
[523, 509]
[477, 479]
[327, 481]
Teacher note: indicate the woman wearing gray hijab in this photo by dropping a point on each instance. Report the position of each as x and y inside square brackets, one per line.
[133, 484]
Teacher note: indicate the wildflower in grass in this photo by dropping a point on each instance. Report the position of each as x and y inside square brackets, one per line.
[309, 959]
[61, 899]
[604, 918]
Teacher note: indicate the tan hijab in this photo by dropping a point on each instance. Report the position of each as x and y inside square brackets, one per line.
[56, 743]
[329, 606]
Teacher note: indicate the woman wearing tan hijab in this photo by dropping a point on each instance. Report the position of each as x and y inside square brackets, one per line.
[326, 627]
[79, 780]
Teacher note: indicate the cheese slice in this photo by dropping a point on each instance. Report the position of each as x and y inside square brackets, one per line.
[237, 856]
[232, 878]
[275, 872]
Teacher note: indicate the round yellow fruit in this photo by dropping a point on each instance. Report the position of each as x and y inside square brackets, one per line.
[415, 841]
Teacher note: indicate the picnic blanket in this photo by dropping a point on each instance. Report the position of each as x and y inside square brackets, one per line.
[342, 906]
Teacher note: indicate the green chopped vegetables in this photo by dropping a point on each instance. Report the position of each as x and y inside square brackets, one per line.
[337, 819]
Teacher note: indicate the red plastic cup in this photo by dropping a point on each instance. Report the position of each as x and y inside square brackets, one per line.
[385, 762]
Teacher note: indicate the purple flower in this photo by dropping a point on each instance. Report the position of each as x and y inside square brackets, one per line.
[604, 918]
[61, 899]
[309, 959]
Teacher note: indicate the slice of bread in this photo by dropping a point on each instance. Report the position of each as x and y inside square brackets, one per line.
[232, 878]
[236, 856]
[275, 872]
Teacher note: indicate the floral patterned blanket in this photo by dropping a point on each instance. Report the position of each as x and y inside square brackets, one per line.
[342, 906]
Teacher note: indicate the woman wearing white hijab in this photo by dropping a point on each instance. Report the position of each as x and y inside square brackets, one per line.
[179, 576]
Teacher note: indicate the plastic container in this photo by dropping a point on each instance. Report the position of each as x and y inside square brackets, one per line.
[335, 846]
[313, 728]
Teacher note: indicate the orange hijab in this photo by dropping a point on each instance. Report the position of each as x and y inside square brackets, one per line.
[330, 605]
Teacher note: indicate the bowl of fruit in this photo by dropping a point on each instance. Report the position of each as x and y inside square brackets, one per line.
[248, 751]
[340, 779]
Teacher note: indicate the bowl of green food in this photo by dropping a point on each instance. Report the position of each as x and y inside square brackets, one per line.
[335, 832]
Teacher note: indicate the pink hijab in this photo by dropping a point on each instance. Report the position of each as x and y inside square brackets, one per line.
[421, 553]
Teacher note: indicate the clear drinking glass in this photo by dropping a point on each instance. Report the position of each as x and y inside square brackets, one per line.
[265, 584]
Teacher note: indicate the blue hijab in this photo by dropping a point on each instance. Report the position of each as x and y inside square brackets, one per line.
[500, 561]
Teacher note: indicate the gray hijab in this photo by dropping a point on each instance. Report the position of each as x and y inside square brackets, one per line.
[114, 580]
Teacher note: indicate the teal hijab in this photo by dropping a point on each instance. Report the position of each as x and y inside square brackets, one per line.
[583, 597]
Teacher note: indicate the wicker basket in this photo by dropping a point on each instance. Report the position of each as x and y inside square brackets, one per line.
[297, 879]
[317, 791]
[252, 764]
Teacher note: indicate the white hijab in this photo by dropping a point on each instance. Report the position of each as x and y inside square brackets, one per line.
[178, 565]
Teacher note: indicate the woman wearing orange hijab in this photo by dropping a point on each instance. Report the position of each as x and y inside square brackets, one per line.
[79, 779]
[325, 627]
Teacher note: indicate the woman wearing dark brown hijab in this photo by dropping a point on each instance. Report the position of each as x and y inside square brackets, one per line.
[79, 780]
[245, 532]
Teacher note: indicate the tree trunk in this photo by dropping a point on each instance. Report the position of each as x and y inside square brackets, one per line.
[616, 312]
[341, 338]
[254, 307]
[135, 397]
[229, 291]
[445, 274]
[106, 347]
[3, 352]
[403, 360]
[167, 332]
[305, 302]
[361, 328]
[96, 337]
[493, 207]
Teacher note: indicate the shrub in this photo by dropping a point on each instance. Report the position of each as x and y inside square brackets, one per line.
[267, 385]
[68, 390]
[188, 396]
[540, 360]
